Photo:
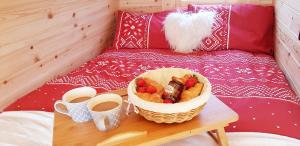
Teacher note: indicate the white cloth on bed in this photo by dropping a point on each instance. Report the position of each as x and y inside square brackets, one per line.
[35, 128]
[26, 128]
[239, 139]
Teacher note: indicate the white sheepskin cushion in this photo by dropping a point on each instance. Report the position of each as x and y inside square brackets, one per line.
[185, 32]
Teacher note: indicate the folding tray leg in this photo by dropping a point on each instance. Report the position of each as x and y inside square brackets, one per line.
[222, 138]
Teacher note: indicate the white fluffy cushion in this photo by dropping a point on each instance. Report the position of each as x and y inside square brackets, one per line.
[185, 32]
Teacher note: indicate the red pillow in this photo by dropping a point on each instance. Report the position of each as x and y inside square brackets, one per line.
[218, 40]
[244, 26]
[140, 30]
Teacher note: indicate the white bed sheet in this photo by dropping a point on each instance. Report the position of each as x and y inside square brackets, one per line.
[26, 128]
[35, 128]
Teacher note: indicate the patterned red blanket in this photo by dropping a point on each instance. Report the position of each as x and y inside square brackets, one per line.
[251, 84]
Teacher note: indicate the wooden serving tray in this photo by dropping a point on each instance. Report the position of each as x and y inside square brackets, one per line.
[135, 130]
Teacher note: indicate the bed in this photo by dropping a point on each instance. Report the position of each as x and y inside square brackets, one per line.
[243, 71]
[251, 84]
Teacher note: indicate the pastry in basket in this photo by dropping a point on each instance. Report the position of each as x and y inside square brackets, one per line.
[182, 79]
[192, 92]
[149, 90]
[159, 88]
[192, 89]
[178, 90]
[155, 97]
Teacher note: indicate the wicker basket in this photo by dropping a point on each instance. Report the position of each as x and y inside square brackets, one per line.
[169, 113]
[170, 118]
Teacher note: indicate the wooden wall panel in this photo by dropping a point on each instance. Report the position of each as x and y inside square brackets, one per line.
[158, 5]
[42, 39]
[287, 50]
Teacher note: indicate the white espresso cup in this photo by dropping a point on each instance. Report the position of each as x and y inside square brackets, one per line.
[77, 111]
[106, 119]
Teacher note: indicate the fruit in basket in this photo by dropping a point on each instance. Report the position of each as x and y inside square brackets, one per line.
[151, 89]
[159, 88]
[141, 89]
[191, 92]
[140, 82]
[191, 82]
[177, 112]
[179, 89]
[168, 101]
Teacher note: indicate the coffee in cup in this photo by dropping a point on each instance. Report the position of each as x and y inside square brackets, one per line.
[75, 101]
[80, 99]
[105, 106]
[105, 110]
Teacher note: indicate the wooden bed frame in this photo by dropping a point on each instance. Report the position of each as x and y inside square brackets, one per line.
[34, 48]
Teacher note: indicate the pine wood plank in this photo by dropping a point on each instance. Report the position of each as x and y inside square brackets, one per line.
[291, 41]
[289, 65]
[54, 51]
[49, 46]
[40, 73]
[11, 35]
[287, 50]
[288, 16]
[22, 14]
[79, 19]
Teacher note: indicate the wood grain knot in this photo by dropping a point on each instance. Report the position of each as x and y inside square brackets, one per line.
[36, 59]
[5, 82]
[108, 6]
[75, 25]
[89, 25]
[41, 65]
[55, 56]
[74, 14]
[50, 15]
[82, 28]
[31, 47]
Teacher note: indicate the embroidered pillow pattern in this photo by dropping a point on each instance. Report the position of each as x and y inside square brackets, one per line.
[219, 38]
[133, 31]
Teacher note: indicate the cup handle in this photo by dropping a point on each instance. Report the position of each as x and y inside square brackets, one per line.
[103, 122]
[58, 109]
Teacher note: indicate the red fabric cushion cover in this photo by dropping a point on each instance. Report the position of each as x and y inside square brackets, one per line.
[250, 26]
[140, 30]
[219, 38]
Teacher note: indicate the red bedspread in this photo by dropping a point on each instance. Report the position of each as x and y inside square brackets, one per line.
[251, 84]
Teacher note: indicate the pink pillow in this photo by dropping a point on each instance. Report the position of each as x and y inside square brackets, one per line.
[140, 30]
[242, 26]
